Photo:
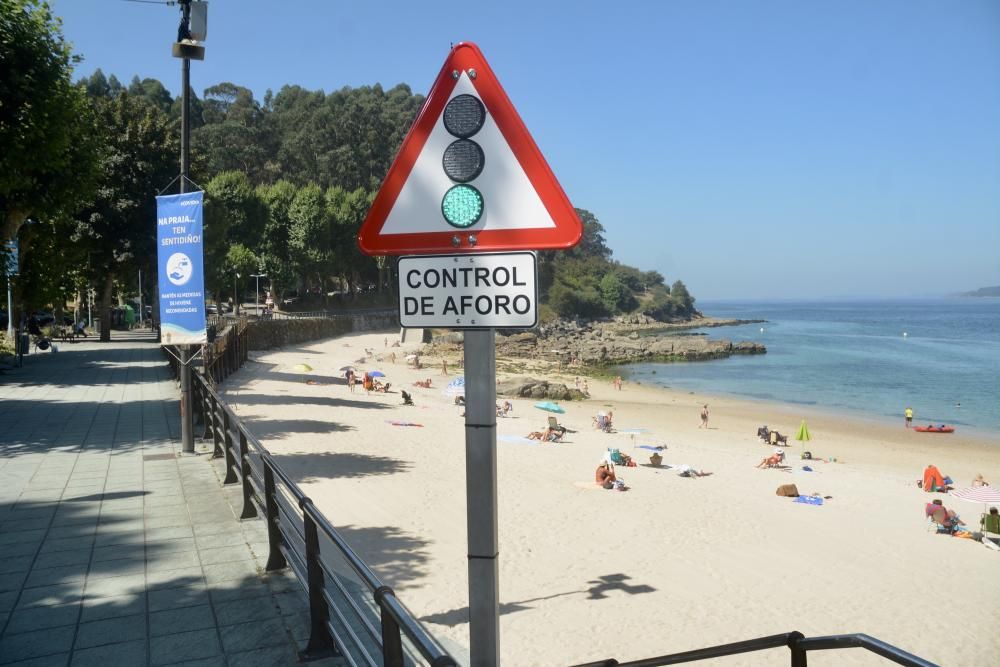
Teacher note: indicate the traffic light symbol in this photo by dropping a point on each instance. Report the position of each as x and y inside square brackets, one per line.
[463, 160]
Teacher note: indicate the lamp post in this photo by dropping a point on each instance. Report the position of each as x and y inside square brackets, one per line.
[256, 305]
[236, 296]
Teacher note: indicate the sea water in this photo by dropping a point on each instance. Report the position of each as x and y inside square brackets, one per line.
[939, 356]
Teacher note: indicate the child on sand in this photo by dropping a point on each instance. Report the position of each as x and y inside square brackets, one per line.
[704, 417]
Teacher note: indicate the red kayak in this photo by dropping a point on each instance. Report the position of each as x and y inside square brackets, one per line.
[934, 429]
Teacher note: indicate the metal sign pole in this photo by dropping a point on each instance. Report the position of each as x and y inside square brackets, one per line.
[481, 495]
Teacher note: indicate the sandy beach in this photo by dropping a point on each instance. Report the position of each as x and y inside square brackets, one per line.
[672, 564]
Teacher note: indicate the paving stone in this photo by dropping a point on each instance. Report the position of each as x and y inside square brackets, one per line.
[117, 568]
[174, 560]
[182, 646]
[67, 544]
[115, 537]
[238, 589]
[22, 536]
[59, 558]
[274, 656]
[18, 549]
[44, 596]
[16, 564]
[184, 619]
[172, 533]
[253, 635]
[125, 653]
[39, 618]
[12, 581]
[38, 643]
[220, 540]
[223, 555]
[52, 576]
[112, 586]
[160, 547]
[96, 609]
[174, 598]
[163, 579]
[240, 611]
[111, 631]
[120, 552]
[55, 660]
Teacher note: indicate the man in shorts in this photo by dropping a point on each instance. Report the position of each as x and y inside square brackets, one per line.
[908, 412]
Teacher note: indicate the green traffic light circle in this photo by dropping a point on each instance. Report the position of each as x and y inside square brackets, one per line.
[462, 206]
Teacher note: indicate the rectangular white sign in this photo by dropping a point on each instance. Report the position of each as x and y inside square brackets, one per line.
[474, 291]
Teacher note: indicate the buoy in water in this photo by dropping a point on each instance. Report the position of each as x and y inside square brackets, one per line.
[762, 329]
[905, 334]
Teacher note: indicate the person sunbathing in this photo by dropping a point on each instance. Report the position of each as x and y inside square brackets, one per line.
[685, 470]
[426, 384]
[548, 435]
[772, 461]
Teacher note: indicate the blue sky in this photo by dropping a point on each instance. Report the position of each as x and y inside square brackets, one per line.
[752, 149]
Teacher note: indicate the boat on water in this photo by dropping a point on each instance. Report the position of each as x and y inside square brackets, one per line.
[934, 429]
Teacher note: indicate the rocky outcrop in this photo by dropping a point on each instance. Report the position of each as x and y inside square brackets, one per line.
[609, 343]
[521, 387]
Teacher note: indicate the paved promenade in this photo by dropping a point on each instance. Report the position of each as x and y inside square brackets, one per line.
[114, 548]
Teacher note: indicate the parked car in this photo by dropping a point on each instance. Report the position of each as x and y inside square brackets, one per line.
[211, 309]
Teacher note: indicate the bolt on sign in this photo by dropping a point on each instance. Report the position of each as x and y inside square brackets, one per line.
[468, 176]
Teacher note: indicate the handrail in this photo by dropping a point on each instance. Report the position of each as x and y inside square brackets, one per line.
[396, 619]
[797, 644]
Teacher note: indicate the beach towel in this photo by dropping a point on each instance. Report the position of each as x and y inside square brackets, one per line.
[517, 439]
[809, 500]
[656, 448]
[396, 422]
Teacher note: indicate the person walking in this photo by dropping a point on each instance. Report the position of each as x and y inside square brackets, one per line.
[908, 413]
[704, 417]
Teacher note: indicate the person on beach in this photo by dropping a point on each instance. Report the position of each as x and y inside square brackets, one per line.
[908, 413]
[979, 480]
[444, 367]
[772, 461]
[586, 388]
[684, 470]
[605, 475]
[704, 417]
[352, 379]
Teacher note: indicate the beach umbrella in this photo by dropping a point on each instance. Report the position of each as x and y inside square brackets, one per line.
[549, 406]
[304, 368]
[456, 387]
[803, 435]
[988, 495]
[347, 368]
[376, 374]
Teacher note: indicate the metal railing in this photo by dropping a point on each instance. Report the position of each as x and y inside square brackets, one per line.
[798, 645]
[352, 613]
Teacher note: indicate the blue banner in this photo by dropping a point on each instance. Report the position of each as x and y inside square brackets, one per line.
[11, 250]
[181, 263]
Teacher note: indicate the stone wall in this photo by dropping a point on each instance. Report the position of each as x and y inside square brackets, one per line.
[270, 334]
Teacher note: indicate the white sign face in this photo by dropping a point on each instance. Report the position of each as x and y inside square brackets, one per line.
[480, 291]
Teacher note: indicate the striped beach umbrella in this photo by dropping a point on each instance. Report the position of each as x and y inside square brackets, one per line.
[987, 495]
[456, 387]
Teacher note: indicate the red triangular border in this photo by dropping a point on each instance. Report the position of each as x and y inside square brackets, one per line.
[568, 228]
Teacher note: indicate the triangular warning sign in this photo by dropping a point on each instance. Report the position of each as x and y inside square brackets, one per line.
[468, 176]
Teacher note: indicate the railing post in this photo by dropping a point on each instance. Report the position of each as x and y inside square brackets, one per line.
[275, 559]
[799, 658]
[249, 510]
[320, 642]
[206, 409]
[392, 643]
[227, 448]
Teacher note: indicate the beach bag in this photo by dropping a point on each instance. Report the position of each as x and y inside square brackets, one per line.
[615, 455]
[806, 455]
[788, 490]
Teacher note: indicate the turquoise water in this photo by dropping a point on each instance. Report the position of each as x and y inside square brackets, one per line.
[853, 356]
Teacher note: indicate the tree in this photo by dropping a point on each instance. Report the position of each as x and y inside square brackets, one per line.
[48, 157]
[309, 234]
[139, 157]
[273, 248]
[240, 260]
[683, 301]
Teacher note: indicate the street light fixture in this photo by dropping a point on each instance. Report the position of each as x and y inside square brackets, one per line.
[256, 305]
